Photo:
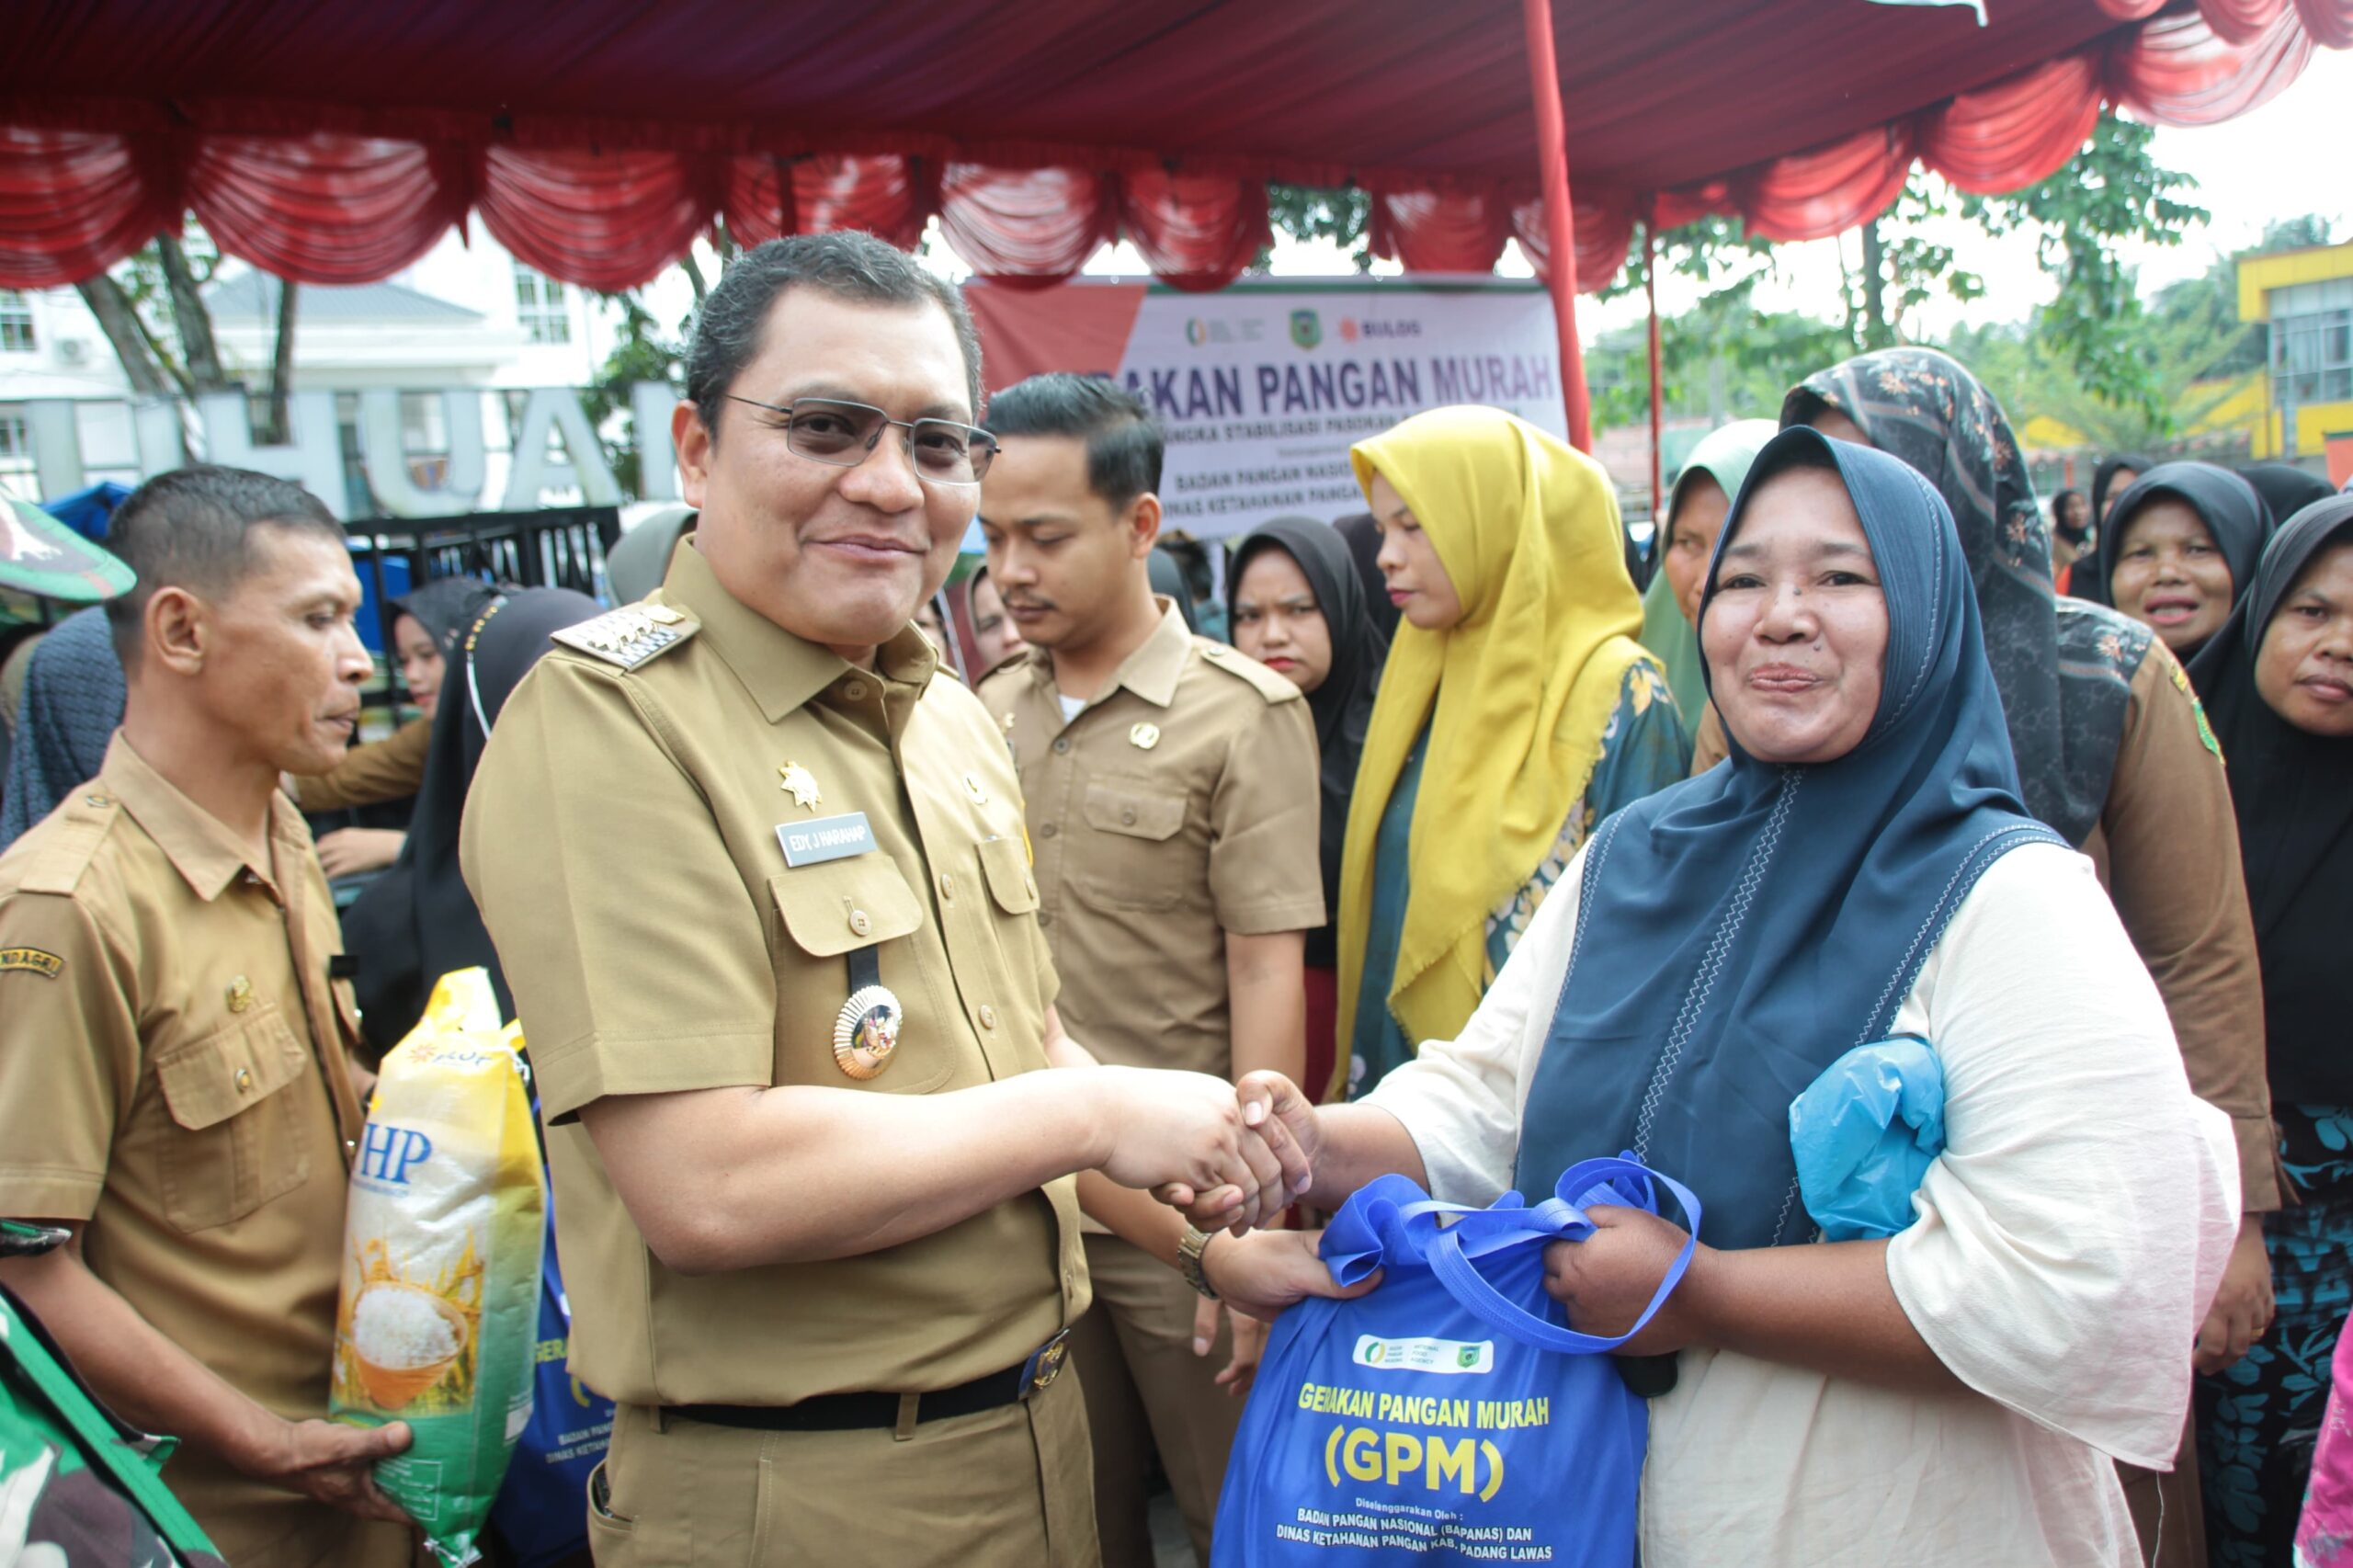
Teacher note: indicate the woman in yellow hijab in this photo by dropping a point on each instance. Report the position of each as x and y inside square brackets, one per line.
[1516, 712]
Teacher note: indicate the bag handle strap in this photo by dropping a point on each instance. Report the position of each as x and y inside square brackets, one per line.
[1558, 1220]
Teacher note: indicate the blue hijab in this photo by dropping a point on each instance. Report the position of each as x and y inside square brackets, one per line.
[1740, 931]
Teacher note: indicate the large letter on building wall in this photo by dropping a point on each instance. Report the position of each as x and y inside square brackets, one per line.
[382, 455]
[650, 404]
[313, 460]
[558, 408]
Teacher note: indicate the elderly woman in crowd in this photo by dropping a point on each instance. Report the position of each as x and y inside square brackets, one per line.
[2179, 548]
[1711, 476]
[1863, 867]
[2277, 681]
[1516, 712]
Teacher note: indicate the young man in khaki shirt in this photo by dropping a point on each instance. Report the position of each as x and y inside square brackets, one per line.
[174, 1079]
[1172, 798]
[756, 873]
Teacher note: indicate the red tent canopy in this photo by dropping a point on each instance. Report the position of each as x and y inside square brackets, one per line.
[336, 143]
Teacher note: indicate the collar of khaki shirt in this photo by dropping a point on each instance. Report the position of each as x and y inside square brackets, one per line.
[780, 670]
[200, 845]
[1151, 672]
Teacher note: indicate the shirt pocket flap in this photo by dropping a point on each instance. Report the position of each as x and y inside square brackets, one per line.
[1133, 812]
[207, 1083]
[1011, 883]
[838, 906]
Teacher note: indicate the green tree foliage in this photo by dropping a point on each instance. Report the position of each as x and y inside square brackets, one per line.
[642, 353]
[1310, 213]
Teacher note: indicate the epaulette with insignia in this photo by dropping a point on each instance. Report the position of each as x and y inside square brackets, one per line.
[1242, 666]
[629, 636]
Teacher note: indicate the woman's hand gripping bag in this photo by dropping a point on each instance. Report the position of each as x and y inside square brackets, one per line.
[439, 1308]
[1450, 1415]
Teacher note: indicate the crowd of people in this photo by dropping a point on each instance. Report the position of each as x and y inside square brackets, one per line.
[914, 1016]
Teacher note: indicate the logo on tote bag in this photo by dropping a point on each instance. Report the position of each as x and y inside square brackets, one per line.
[1451, 1356]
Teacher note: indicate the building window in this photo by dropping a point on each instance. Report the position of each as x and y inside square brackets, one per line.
[541, 305]
[16, 321]
[2311, 357]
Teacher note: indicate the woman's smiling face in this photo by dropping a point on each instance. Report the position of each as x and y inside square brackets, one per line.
[2170, 575]
[1796, 634]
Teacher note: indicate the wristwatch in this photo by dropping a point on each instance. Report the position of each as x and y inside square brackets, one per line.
[1189, 1260]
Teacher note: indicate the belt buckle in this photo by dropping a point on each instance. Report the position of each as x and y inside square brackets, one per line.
[1045, 1364]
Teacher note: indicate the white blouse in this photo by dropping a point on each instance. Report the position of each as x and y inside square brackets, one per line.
[2069, 1240]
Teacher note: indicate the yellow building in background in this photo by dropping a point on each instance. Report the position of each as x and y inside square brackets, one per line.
[2305, 299]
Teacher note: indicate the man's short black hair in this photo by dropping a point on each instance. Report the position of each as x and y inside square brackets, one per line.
[1123, 442]
[848, 265]
[193, 528]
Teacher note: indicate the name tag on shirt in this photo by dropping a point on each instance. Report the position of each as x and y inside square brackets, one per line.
[821, 839]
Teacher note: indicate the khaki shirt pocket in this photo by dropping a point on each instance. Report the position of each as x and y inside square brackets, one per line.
[1130, 860]
[1011, 883]
[232, 1147]
[829, 910]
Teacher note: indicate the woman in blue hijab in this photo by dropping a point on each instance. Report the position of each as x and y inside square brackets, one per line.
[1864, 867]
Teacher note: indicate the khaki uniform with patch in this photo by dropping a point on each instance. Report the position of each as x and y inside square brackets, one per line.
[175, 1075]
[623, 841]
[1178, 806]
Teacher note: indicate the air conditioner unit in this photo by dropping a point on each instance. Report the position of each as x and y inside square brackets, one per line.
[74, 350]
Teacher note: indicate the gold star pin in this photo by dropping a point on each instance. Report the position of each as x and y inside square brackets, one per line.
[241, 995]
[801, 785]
[1143, 737]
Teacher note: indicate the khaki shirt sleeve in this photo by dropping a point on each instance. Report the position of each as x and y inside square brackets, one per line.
[1708, 744]
[638, 958]
[1264, 871]
[69, 1057]
[389, 769]
[2175, 876]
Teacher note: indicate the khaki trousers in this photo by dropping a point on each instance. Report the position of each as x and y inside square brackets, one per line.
[2168, 1510]
[1145, 1389]
[1004, 1488]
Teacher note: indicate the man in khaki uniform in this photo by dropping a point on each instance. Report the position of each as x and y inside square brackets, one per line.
[756, 872]
[1172, 798]
[175, 1079]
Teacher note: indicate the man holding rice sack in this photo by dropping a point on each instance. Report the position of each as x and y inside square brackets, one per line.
[759, 883]
[175, 1079]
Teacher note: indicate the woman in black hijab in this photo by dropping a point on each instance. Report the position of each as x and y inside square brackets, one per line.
[2109, 481]
[2285, 488]
[1362, 535]
[418, 921]
[2277, 681]
[1298, 606]
[2179, 549]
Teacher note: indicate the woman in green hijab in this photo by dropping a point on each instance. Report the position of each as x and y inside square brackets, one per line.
[1703, 494]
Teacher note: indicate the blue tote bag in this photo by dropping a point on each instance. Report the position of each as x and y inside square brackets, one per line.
[1452, 1415]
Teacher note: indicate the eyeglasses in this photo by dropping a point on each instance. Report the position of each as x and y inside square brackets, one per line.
[826, 430]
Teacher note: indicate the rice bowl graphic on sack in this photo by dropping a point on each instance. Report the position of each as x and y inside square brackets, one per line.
[437, 1317]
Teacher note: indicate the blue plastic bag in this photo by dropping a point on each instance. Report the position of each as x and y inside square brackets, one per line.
[541, 1512]
[1864, 1133]
[1451, 1415]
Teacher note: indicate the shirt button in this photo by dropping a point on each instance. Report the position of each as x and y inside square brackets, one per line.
[1045, 917]
[855, 692]
[946, 888]
[1062, 743]
[859, 923]
[244, 1080]
[1127, 816]
[1047, 830]
[988, 1016]
[93, 800]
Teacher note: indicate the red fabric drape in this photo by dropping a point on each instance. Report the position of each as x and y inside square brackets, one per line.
[1436, 232]
[2177, 72]
[2018, 131]
[1195, 233]
[1604, 228]
[326, 209]
[2131, 10]
[1827, 190]
[1028, 228]
[885, 195]
[607, 221]
[2329, 22]
[73, 203]
[2241, 21]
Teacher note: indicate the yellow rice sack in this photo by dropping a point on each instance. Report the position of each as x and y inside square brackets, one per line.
[440, 1305]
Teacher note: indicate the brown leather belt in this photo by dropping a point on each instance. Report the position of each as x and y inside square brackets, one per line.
[863, 1411]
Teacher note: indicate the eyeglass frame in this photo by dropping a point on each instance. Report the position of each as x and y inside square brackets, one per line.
[983, 440]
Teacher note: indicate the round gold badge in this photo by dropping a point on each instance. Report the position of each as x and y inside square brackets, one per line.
[867, 1032]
